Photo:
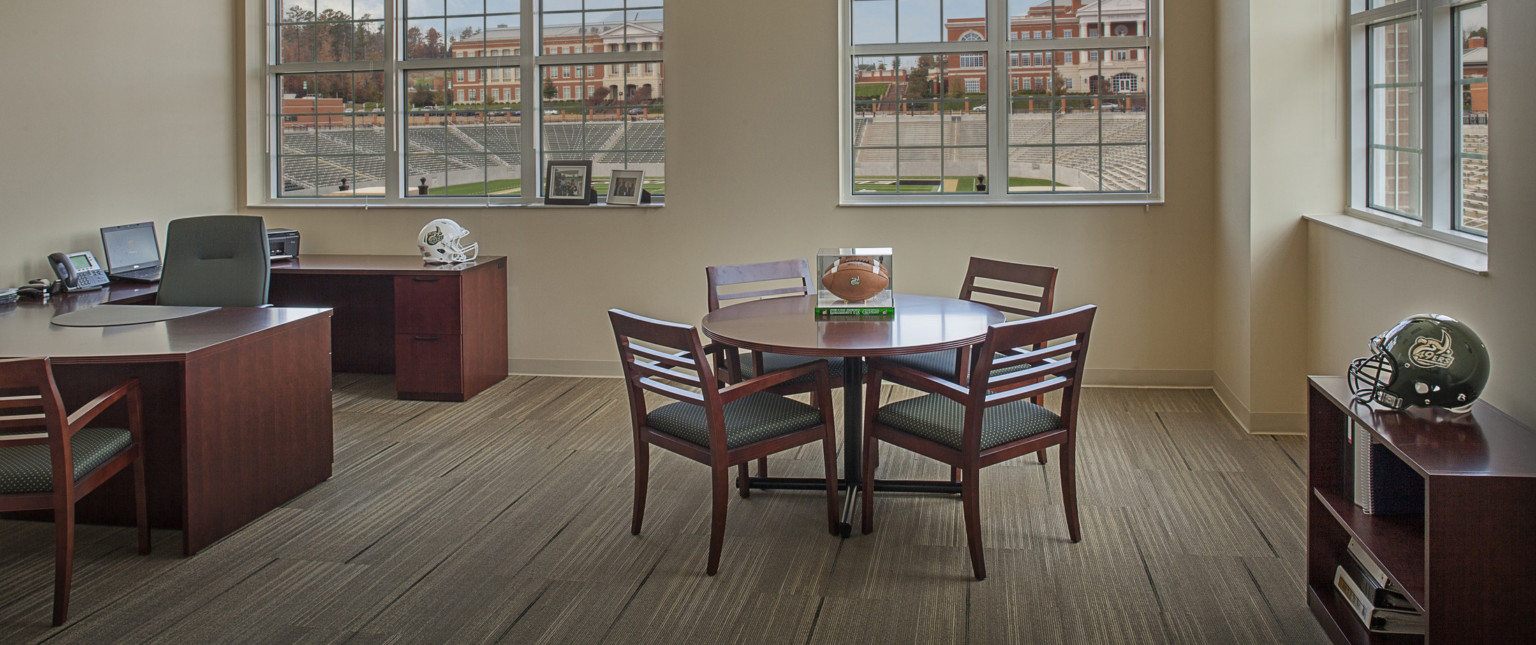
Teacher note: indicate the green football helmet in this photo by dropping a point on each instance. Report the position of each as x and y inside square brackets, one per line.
[1425, 360]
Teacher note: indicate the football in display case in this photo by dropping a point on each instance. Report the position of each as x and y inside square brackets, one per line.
[854, 282]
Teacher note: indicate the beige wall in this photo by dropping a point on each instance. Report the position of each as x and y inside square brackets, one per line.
[752, 166]
[1282, 146]
[110, 119]
[1359, 288]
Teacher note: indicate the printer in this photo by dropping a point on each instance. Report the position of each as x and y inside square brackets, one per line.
[283, 243]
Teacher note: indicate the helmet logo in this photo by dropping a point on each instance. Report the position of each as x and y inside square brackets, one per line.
[435, 236]
[1431, 353]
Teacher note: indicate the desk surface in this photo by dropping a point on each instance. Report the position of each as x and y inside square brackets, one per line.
[788, 326]
[25, 330]
[376, 264]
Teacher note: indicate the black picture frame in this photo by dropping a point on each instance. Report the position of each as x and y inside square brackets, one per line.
[568, 182]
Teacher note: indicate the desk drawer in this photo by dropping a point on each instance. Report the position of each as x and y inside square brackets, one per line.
[427, 304]
[430, 366]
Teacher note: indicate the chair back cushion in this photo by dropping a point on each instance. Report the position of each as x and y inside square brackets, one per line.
[215, 261]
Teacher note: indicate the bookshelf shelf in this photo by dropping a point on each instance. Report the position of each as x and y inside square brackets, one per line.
[1468, 559]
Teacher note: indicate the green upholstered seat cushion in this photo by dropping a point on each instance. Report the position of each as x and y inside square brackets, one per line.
[941, 363]
[750, 419]
[775, 362]
[942, 420]
[29, 469]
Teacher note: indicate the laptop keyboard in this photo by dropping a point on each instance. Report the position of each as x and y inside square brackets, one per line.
[152, 273]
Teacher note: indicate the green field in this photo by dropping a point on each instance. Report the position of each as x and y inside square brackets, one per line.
[963, 185]
[869, 91]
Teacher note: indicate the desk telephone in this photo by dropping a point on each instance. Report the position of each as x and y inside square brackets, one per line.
[77, 271]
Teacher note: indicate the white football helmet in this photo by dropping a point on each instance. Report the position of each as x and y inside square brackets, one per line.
[440, 243]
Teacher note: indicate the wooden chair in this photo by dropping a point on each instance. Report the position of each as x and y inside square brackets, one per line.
[991, 420]
[713, 425]
[1020, 300]
[793, 278]
[49, 460]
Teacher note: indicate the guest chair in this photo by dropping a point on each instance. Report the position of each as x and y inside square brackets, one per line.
[991, 419]
[215, 261]
[782, 278]
[1030, 292]
[714, 425]
[49, 460]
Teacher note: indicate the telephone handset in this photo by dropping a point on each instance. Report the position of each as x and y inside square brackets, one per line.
[77, 271]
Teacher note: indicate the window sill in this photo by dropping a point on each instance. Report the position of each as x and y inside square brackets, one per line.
[1472, 261]
[436, 205]
[1141, 201]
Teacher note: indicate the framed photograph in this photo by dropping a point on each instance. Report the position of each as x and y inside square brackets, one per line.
[626, 186]
[567, 183]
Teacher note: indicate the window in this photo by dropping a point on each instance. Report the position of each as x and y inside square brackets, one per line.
[1419, 115]
[333, 79]
[929, 128]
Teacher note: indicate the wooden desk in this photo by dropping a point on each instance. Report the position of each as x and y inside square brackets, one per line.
[440, 329]
[237, 405]
[788, 326]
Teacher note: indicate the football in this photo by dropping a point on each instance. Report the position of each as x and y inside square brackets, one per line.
[855, 278]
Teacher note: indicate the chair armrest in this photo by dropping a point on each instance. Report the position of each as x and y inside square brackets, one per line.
[92, 409]
[919, 380]
[760, 383]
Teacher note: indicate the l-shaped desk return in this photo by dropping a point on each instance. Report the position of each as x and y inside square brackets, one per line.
[237, 405]
[440, 329]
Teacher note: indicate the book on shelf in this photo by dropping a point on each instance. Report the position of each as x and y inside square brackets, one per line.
[1368, 564]
[1380, 483]
[1379, 595]
[1376, 619]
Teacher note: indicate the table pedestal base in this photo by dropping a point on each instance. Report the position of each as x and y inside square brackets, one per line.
[853, 448]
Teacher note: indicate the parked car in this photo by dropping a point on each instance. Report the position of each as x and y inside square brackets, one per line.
[636, 110]
[979, 108]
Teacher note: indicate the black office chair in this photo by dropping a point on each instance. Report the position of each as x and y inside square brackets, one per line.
[215, 261]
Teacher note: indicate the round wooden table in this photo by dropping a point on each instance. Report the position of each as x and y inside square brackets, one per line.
[789, 326]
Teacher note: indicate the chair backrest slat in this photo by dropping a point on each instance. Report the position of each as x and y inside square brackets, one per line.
[24, 401]
[690, 378]
[1051, 367]
[670, 360]
[727, 275]
[14, 421]
[677, 376]
[1018, 302]
[661, 387]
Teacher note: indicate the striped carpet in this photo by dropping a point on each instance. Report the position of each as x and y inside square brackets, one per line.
[505, 519]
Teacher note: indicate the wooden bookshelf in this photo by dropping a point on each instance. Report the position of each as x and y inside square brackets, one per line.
[1469, 561]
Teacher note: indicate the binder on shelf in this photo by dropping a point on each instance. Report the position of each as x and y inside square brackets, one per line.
[1375, 592]
[1380, 483]
[1376, 619]
[1368, 564]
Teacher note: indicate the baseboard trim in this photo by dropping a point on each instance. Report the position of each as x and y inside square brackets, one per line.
[564, 367]
[1278, 423]
[1184, 379]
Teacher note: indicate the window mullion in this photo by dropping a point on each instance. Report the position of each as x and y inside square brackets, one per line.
[394, 101]
[528, 63]
[999, 99]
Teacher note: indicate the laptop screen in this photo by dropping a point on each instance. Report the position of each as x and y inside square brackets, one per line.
[131, 246]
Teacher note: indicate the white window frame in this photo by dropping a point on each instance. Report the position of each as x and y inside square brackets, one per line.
[1439, 180]
[394, 68]
[997, 108]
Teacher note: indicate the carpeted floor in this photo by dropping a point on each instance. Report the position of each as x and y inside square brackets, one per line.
[506, 519]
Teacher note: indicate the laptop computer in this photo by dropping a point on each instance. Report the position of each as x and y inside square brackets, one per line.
[133, 252]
